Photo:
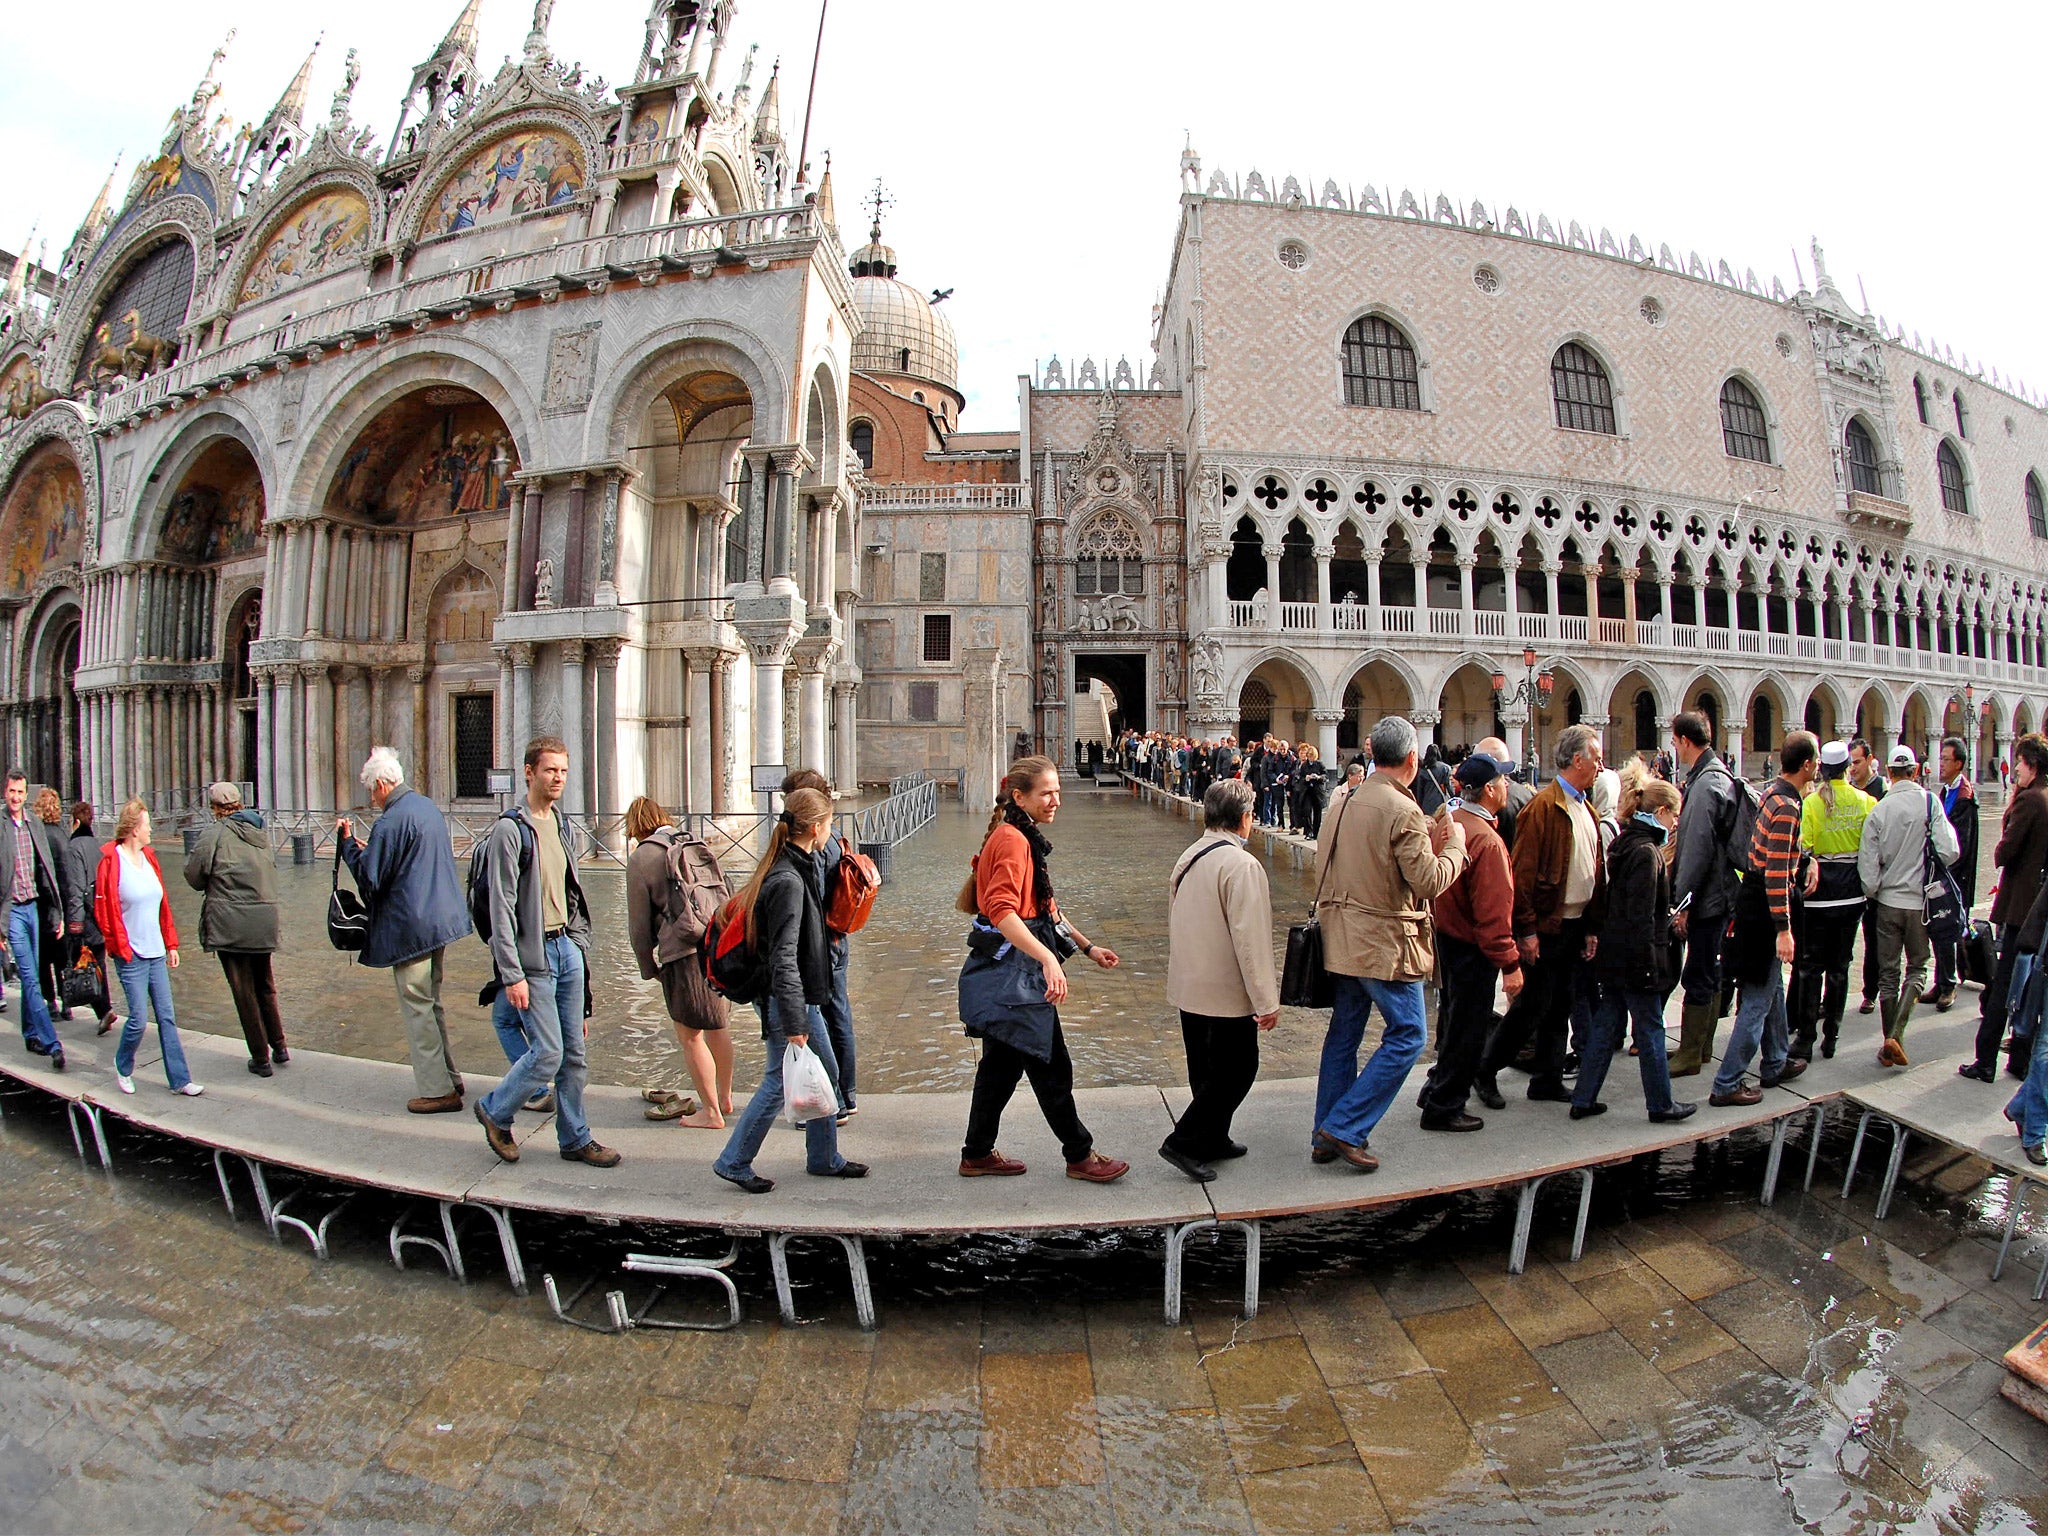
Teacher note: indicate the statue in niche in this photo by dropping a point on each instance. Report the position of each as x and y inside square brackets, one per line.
[544, 584]
[1206, 657]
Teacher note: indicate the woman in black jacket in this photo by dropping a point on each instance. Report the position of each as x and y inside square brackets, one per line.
[81, 863]
[1311, 780]
[783, 906]
[1634, 960]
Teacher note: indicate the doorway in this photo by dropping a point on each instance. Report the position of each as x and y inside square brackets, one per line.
[1124, 676]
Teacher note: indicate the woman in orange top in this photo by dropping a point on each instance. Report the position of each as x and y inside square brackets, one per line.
[1012, 983]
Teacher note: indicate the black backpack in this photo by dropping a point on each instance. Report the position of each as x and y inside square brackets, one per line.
[480, 873]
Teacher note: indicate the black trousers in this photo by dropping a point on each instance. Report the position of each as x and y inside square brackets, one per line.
[255, 993]
[1223, 1059]
[1991, 1022]
[1468, 979]
[1051, 1081]
[1822, 971]
[1544, 1009]
[1701, 977]
[1870, 949]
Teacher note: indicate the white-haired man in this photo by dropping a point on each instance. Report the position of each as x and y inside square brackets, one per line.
[406, 873]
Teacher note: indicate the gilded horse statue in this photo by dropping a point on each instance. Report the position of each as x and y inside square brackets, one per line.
[136, 358]
[24, 395]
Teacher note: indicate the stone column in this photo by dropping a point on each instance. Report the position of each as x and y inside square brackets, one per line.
[319, 736]
[501, 716]
[779, 562]
[985, 745]
[1733, 729]
[576, 798]
[1324, 555]
[286, 735]
[1550, 574]
[1272, 555]
[606, 592]
[520, 654]
[416, 749]
[792, 719]
[350, 750]
[813, 655]
[316, 582]
[380, 708]
[529, 553]
[1510, 572]
[569, 590]
[1466, 565]
[1514, 731]
[1600, 723]
[515, 523]
[266, 735]
[846, 738]
[156, 762]
[604, 737]
[1327, 721]
[700, 736]
[722, 745]
[1372, 589]
[770, 640]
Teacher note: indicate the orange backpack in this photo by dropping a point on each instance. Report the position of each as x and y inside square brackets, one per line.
[854, 887]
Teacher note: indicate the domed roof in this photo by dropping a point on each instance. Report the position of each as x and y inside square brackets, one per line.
[901, 331]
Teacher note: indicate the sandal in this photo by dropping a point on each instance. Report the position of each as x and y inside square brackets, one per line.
[671, 1108]
[659, 1095]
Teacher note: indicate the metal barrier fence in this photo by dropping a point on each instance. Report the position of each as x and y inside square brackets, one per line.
[907, 810]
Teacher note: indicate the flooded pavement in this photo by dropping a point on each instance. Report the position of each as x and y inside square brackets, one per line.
[1708, 1366]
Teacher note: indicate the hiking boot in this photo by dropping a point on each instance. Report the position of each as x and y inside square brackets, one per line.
[993, 1166]
[1945, 1000]
[1892, 1054]
[500, 1139]
[541, 1103]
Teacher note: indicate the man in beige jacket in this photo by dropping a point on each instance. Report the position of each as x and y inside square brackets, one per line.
[1378, 865]
[1219, 974]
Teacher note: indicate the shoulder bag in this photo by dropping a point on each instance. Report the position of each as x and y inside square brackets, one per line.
[348, 916]
[1303, 981]
[1941, 896]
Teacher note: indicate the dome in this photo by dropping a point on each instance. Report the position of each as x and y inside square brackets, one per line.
[901, 331]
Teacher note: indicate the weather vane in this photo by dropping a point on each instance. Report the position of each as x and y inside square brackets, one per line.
[877, 200]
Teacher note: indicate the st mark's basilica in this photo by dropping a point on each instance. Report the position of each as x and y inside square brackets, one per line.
[565, 408]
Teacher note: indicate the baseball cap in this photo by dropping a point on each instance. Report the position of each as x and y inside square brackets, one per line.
[1902, 757]
[1834, 754]
[1478, 771]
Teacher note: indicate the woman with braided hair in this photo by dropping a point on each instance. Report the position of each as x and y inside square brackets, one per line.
[1012, 984]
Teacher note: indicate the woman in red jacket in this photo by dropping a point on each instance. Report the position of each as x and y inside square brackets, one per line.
[135, 915]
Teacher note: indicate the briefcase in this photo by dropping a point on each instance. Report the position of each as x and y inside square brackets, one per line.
[1980, 953]
[1303, 981]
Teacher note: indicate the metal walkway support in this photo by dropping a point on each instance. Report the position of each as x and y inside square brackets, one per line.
[272, 1211]
[616, 1318]
[1525, 1216]
[2012, 1221]
[508, 1244]
[446, 1246]
[1781, 1130]
[856, 1264]
[1900, 1136]
[679, 1266]
[74, 1111]
[1176, 1252]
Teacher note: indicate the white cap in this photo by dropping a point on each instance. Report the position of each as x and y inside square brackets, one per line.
[1902, 757]
[1834, 754]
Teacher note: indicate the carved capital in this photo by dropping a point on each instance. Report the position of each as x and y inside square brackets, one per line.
[1327, 716]
[518, 652]
[605, 653]
[572, 653]
[419, 672]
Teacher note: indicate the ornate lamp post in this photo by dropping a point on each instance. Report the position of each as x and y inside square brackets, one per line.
[1532, 692]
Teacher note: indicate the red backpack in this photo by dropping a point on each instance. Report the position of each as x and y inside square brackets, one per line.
[731, 966]
[851, 899]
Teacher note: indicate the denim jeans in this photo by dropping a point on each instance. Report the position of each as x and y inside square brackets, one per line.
[1760, 1019]
[552, 1027]
[2028, 1108]
[24, 940]
[839, 1024]
[1617, 1011]
[1350, 1102]
[148, 985]
[821, 1136]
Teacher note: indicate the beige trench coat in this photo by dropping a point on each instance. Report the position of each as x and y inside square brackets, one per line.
[1381, 877]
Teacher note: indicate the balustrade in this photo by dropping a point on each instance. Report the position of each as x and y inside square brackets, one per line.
[1349, 618]
[1298, 616]
[1491, 626]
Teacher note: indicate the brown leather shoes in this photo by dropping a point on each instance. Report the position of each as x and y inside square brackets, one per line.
[500, 1139]
[994, 1166]
[1892, 1054]
[590, 1152]
[1097, 1169]
[1357, 1157]
[1748, 1093]
[444, 1104]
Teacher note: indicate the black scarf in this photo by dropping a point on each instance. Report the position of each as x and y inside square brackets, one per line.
[1041, 846]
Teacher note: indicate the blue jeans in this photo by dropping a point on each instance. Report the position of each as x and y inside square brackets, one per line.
[839, 1025]
[148, 985]
[821, 1136]
[2028, 1108]
[1617, 1010]
[1760, 1020]
[1349, 1103]
[24, 942]
[552, 1026]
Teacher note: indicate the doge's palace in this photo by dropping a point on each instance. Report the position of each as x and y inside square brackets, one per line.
[530, 420]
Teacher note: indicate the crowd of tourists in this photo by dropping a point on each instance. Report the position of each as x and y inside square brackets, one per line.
[1554, 921]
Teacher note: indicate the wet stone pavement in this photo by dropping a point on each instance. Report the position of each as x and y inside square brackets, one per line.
[1707, 1366]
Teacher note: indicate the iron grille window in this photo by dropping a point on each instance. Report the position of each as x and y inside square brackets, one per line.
[1862, 450]
[862, 440]
[938, 637]
[1585, 397]
[475, 741]
[1380, 367]
[1094, 577]
[924, 701]
[159, 289]
[931, 578]
[1743, 430]
[1948, 465]
[2037, 509]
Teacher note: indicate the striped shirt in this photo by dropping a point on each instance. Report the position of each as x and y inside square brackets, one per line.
[1774, 846]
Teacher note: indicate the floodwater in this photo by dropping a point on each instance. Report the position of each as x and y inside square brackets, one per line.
[1707, 1366]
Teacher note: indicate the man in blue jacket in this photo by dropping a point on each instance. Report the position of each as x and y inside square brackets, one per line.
[406, 873]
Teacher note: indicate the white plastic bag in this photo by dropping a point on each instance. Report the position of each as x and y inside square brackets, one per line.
[807, 1092]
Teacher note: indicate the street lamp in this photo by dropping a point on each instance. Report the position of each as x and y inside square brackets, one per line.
[1533, 691]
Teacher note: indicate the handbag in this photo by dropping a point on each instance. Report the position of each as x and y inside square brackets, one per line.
[348, 915]
[1941, 897]
[84, 985]
[1303, 981]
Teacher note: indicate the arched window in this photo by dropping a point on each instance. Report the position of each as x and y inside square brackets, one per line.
[1962, 415]
[1862, 451]
[1380, 367]
[1920, 398]
[1646, 721]
[1109, 559]
[1744, 432]
[860, 437]
[1761, 719]
[2037, 508]
[1585, 398]
[1948, 467]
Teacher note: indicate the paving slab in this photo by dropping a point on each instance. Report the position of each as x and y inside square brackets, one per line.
[1944, 1039]
[1931, 1100]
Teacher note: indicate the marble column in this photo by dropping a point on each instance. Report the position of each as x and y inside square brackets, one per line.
[266, 774]
[769, 645]
[529, 554]
[1733, 730]
[416, 748]
[520, 653]
[1324, 555]
[1466, 565]
[501, 717]
[316, 578]
[846, 738]
[604, 737]
[701, 739]
[350, 747]
[319, 735]
[1327, 721]
[569, 590]
[1272, 587]
[576, 798]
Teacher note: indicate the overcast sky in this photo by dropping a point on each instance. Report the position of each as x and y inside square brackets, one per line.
[1032, 150]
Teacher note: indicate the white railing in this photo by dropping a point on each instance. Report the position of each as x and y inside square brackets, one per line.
[1831, 650]
[1298, 616]
[1685, 637]
[1240, 615]
[1612, 632]
[1491, 626]
[647, 152]
[1880, 655]
[1750, 642]
[1350, 618]
[1778, 645]
[1534, 626]
[1398, 621]
[1446, 621]
[1805, 647]
[1717, 639]
[588, 260]
[1859, 653]
[1572, 628]
[1002, 497]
